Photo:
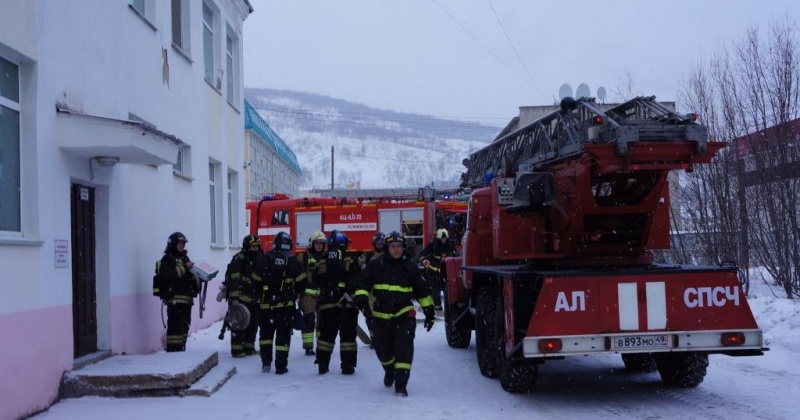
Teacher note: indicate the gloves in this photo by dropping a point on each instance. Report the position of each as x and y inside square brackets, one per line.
[363, 305]
[430, 316]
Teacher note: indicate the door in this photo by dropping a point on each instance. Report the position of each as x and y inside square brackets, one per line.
[84, 290]
[307, 223]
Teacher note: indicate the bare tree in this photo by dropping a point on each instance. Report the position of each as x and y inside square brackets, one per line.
[745, 204]
[625, 89]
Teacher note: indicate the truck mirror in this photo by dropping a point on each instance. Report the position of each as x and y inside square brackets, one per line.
[533, 191]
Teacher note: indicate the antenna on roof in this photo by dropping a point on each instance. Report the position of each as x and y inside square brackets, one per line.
[583, 91]
[601, 94]
[564, 91]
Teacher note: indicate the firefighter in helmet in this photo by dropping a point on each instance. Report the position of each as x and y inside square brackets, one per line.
[284, 280]
[243, 286]
[177, 287]
[337, 314]
[432, 259]
[378, 242]
[314, 259]
[394, 280]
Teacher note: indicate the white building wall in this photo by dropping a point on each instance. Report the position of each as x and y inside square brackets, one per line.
[102, 59]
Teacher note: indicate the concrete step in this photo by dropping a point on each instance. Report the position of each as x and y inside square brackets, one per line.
[211, 382]
[158, 374]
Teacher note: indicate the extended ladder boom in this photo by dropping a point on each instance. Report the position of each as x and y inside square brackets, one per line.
[561, 135]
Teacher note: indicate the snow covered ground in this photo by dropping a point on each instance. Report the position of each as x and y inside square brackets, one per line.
[446, 384]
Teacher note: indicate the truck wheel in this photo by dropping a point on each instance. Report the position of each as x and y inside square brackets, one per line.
[457, 338]
[514, 378]
[485, 336]
[685, 369]
[640, 362]
[517, 379]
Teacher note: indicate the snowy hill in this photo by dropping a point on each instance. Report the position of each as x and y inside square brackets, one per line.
[373, 148]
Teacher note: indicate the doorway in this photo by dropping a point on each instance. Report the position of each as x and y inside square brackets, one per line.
[84, 276]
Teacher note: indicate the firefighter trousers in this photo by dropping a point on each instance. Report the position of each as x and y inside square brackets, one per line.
[434, 280]
[308, 304]
[179, 318]
[276, 324]
[394, 346]
[337, 320]
[243, 341]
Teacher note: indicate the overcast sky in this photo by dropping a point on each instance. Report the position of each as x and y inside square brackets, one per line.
[482, 59]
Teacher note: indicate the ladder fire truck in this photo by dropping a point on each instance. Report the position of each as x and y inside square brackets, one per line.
[358, 214]
[556, 256]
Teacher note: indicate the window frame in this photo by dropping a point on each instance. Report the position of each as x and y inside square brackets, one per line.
[215, 201]
[211, 68]
[233, 198]
[149, 12]
[232, 66]
[16, 106]
[183, 21]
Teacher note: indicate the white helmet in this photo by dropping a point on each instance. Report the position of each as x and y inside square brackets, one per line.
[442, 234]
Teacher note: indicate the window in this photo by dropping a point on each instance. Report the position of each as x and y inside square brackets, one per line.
[208, 44]
[232, 209]
[145, 8]
[214, 201]
[10, 181]
[183, 165]
[180, 25]
[232, 67]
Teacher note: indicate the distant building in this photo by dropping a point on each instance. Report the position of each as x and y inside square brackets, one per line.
[115, 120]
[270, 164]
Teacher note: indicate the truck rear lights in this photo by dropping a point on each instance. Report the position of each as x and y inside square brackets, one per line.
[550, 345]
[733, 339]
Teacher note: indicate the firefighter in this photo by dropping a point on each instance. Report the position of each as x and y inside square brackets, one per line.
[432, 259]
[394, 280]
[314, 259]
[284, 280]
[337, 315]
[378, 242]
[177, 287]
[244, 285]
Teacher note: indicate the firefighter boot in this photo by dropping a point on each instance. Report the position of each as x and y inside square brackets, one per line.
[400, 391]
[322, 362]
[310, 352]
[388, 376]
[280, 370]
[400, 382]
[348, 370]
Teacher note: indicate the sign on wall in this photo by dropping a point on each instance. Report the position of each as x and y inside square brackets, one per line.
[62, 253]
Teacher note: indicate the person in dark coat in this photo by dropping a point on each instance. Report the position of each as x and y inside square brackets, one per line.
[378, 248]
[337, 314]
[394, 280]
[284, 281]
[432, 259]
[244, 285]
[314, 261]
[177, 287]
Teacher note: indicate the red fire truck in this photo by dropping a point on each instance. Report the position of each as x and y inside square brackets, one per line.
[358, 216]
[556, 259]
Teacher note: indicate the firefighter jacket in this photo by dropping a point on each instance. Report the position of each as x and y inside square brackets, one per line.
[315, 269]
[244, 281]
[173, 281]
[394, 283]
[341, 272]
[284, 281]
[435, 252]
[369, 256]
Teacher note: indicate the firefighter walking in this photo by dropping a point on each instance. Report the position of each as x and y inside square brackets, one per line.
[432, 259]
[244, 285]
[284, 280]
[314, 259]
[378, 247]
[337, 316]
[177, 287]
[394, 280]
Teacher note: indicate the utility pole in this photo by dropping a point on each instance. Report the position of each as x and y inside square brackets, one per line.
[331, 167]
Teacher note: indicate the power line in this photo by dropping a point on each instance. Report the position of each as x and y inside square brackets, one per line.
[484, 45]
[358, 116]
[514, 48]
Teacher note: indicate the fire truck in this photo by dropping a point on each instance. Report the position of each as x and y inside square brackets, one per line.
[358, 214]
[556, 259]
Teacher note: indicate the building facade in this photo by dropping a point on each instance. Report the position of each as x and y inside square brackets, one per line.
[270, 164]
[120, 122]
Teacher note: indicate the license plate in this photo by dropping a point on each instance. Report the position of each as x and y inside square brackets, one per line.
[658, 341]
